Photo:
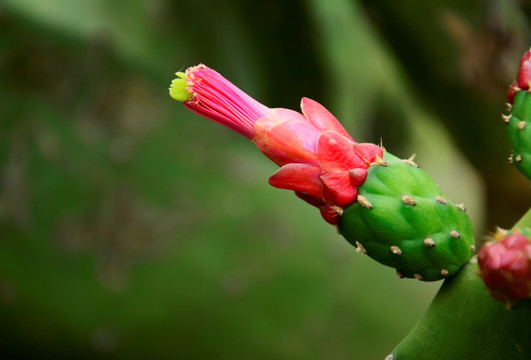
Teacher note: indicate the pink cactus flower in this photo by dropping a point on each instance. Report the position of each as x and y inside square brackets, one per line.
[318, 159]
[523, 78]
[506, 267]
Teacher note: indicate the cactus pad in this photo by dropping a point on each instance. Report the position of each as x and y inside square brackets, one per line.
[402, 220]
[519, 132]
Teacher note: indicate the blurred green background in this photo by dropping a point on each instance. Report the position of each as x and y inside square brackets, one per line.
[131, 228]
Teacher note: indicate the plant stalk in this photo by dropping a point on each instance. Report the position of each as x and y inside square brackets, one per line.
[464, 322]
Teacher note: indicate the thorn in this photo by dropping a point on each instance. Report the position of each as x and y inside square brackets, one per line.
[410, 161]
[508, 107]
[338, 229]
[473, 248]
[396, 250]
[360, 248]
[408, 200]
[461, 207]
[380, 162]
[418, 277]
[381, 145]
[510, 159]
[499, 233]
[364, 202]
[444, 272]
[455, 234]
[441, 199]
[518, 158]
[506, 118]
[521, 125]
[429, 242]
[337, 209]
[400, 275]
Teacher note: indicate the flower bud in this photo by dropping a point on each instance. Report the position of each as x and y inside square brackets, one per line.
[505, 266]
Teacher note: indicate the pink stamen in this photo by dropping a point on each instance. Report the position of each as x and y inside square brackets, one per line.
[216, 98]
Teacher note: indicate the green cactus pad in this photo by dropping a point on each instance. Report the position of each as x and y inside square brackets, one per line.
[519, 132]
[402, 220]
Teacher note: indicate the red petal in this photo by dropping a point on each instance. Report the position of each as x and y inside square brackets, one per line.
[330, 214]
[302, 178]
[516, 241]
[310, 199]
[285, 136]
[321, 118]
[368, 152]
[524, 75]
[336, 153]
[357, 176]
[338, 189]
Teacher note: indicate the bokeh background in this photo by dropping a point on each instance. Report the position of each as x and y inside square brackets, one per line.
[131, 228]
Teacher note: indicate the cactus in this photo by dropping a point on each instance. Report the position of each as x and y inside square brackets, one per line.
[402, 220]
[517, 121]
[519, 132]
[465, 322]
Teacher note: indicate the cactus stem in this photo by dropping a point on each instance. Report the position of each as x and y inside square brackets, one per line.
[429, 242]
[521, 125]
[408, 200]
[380, 162]
[441, 199]
[410, 161]
[360, 248]
[364, 202]
[510, 159]
[400, 275]
[518, 158]
[506, 118]
[455, 234]
[461, 207]
[508, 107]
[444, 272]
[396, 250]
[418, 277]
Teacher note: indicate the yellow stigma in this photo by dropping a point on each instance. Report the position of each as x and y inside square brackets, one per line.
[178, 88]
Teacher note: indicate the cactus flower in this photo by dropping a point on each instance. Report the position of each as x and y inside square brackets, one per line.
[318, 159]
[523, 78]
[388, 208]
[506, 267]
